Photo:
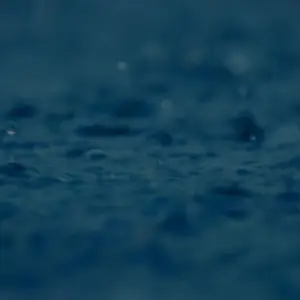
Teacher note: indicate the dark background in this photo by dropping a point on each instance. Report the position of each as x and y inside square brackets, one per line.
[149, 150]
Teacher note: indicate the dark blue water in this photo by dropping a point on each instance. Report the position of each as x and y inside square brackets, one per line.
[149, 150]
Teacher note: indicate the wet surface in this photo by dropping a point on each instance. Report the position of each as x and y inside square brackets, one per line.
[151, 152]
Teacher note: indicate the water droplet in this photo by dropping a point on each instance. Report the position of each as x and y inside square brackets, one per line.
[247, 130]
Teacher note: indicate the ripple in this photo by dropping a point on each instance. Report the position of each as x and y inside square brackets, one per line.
[230, 202]
[98, 130]
[15, 170]
[22, 111]
[234, 190]
[96, 154]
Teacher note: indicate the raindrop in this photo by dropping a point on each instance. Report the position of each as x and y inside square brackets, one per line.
[247, 130]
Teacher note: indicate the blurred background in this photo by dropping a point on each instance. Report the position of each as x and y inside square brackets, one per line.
[149, 149]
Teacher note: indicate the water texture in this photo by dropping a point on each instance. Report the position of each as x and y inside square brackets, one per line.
[149, 150]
